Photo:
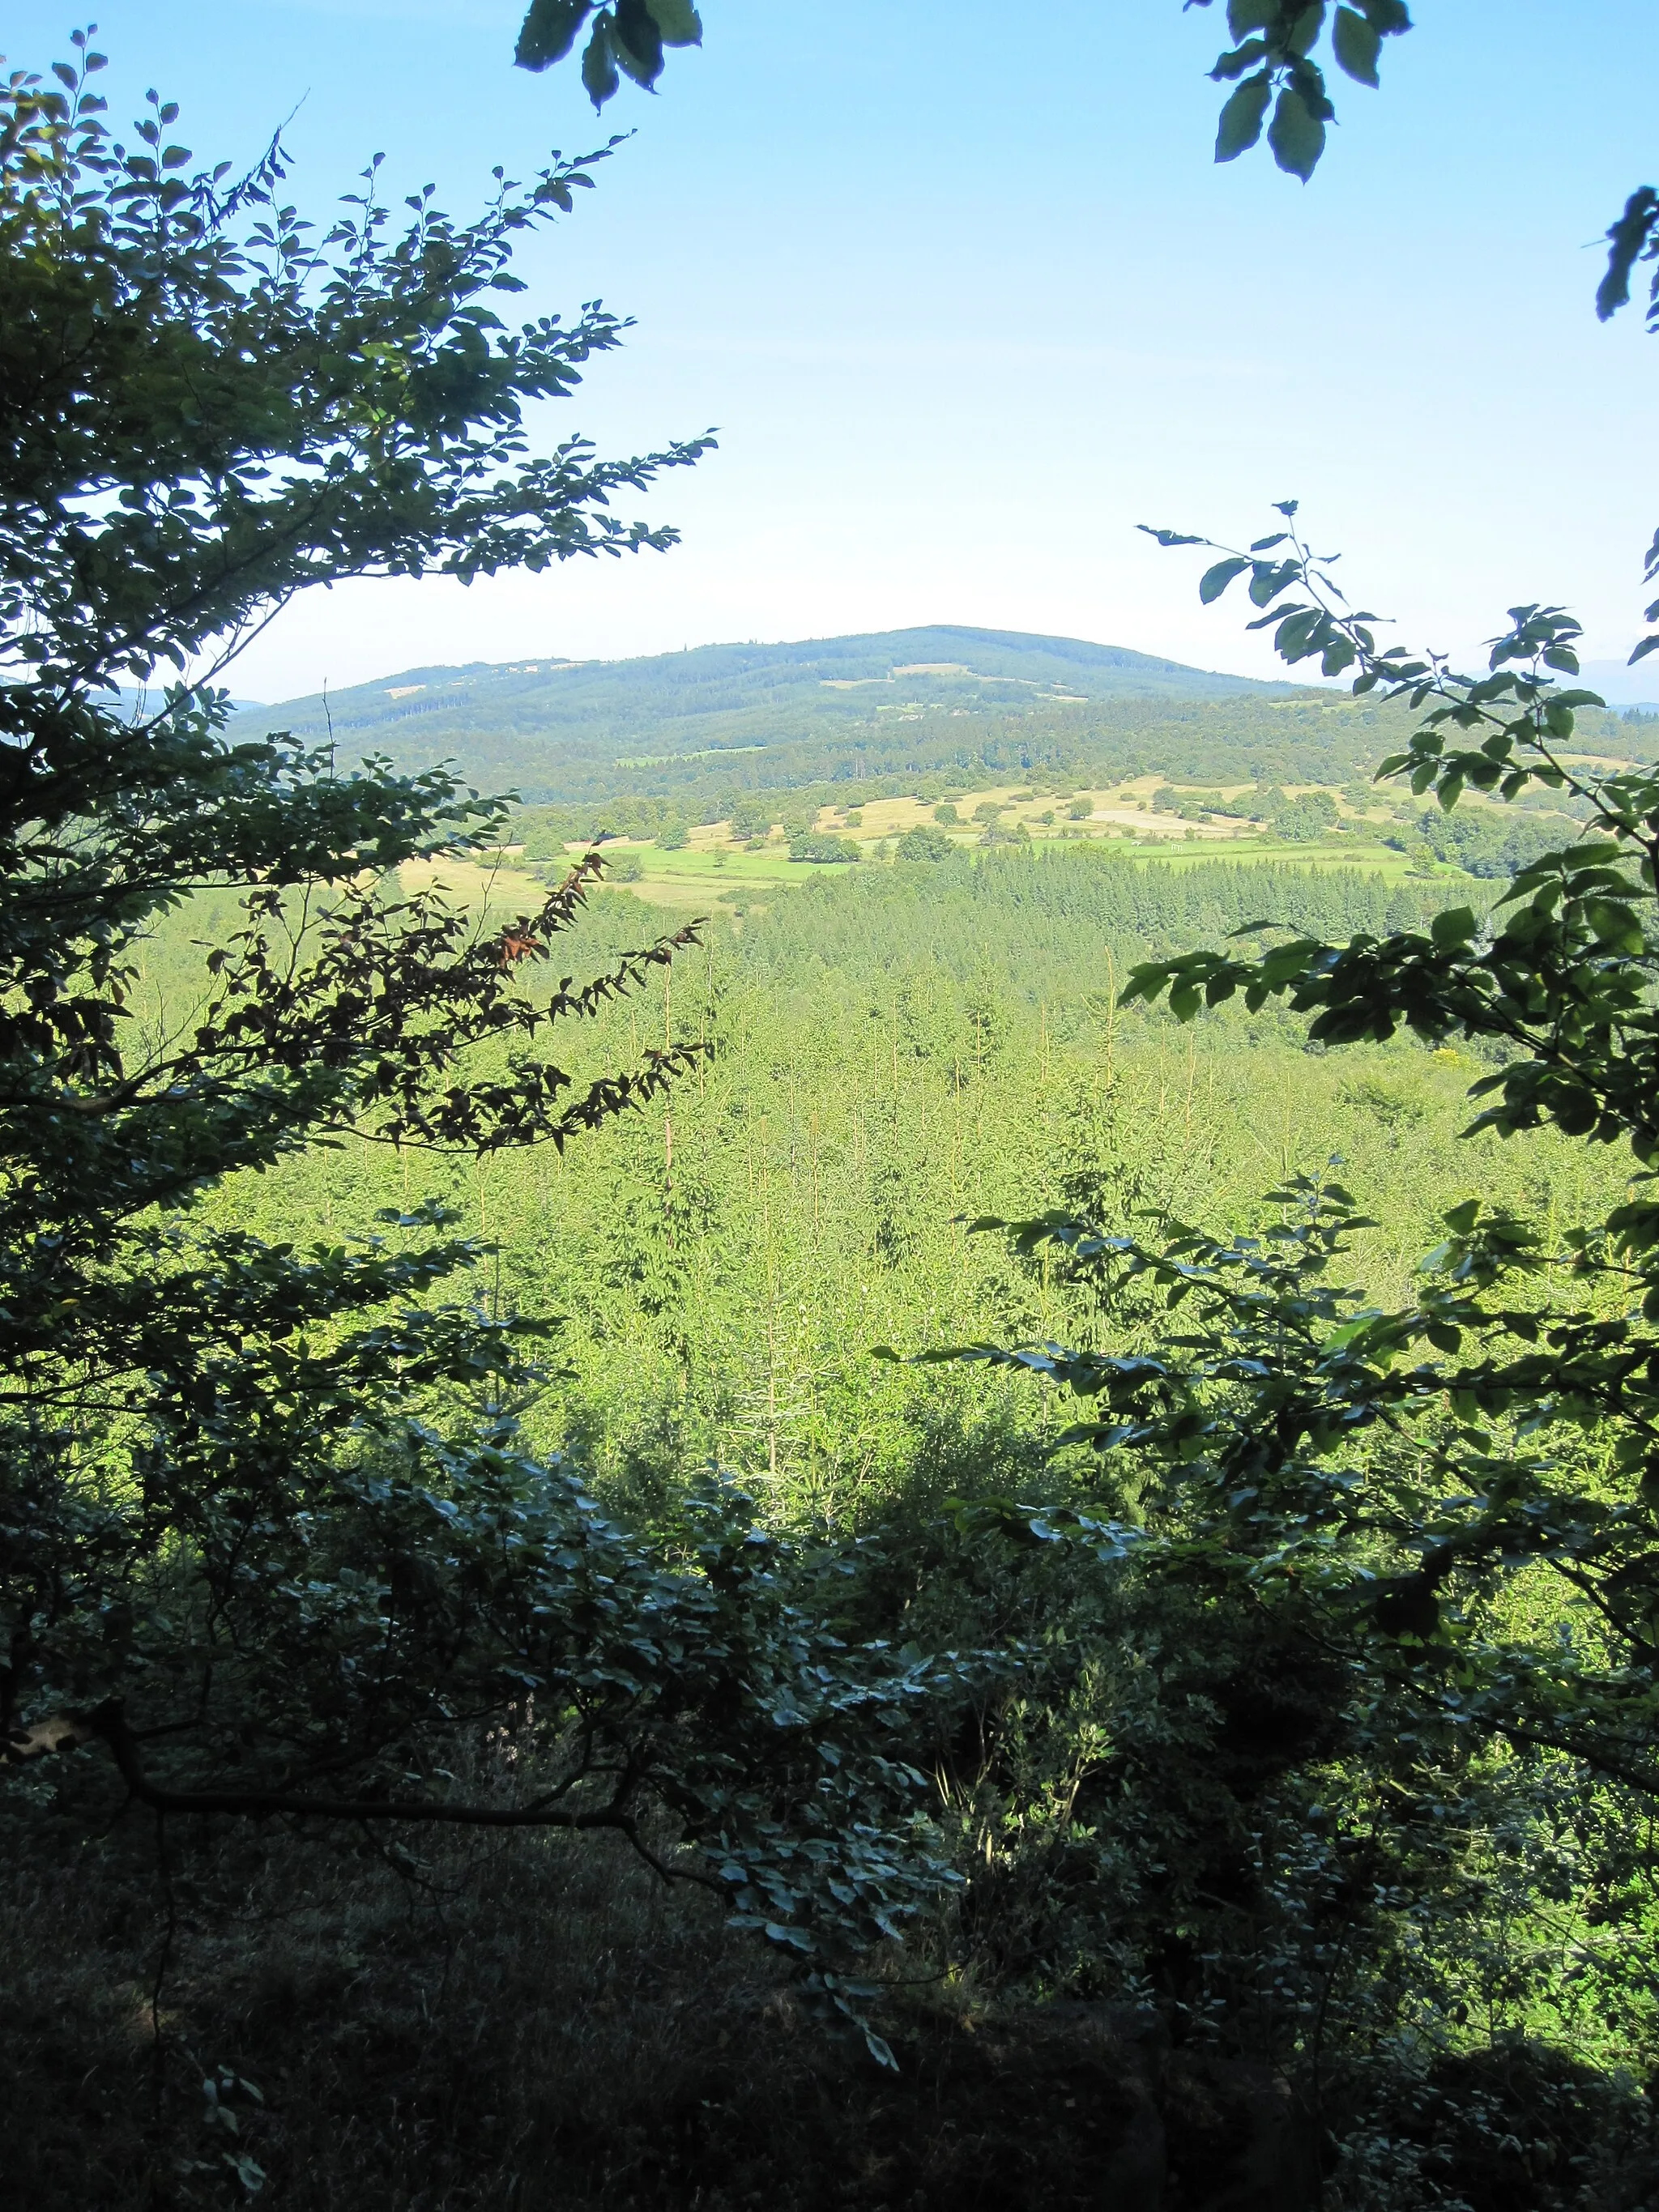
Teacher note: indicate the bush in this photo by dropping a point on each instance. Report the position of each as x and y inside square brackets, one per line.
[823, 845]
[1306, 819]
[750, 817]
[1485, 843]
[925, 843]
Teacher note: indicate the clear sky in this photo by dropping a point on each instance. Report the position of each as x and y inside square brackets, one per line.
[967, 298]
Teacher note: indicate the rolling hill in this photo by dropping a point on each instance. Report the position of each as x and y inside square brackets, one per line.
[759, 716]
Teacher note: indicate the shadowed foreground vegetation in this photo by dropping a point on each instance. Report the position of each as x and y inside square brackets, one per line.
[516, 2025]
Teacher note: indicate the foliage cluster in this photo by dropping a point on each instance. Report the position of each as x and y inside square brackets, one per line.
[824, 845]
[1484, 843]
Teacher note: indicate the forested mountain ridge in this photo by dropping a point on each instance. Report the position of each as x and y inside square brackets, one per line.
[706, 725]
[821, 710]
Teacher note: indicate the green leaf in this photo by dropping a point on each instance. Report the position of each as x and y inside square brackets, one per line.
[550, 30]
[1356, 45]
[599, 76]
[1243, 57]
[1244, 16]
[795, 1939]
[636, 41]
[678, 21]
[1456, 926]
[1292, 638]
[1295, 135]
[1339, 1339]
[1214, 581]
[1628, 239]
[1241, 119]
[1613, 924]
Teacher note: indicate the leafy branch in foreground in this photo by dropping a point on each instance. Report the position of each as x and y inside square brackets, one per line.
[1272, 54]
[1562, 984]
[1273, 66]
[1270, 65]
[1379, 1480]
[1396, 1476]
[626, 39]
[270, 1546]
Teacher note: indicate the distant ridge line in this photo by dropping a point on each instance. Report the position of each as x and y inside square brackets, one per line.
[802, 710]
[1085, 651]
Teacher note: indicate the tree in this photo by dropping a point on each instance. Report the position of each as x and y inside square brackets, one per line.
[1421, 1545]
[270, 1541]
[925, 843]
[1390, 1574]
[824, 845]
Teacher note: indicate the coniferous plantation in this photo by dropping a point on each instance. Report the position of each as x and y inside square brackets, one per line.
[970, 1525]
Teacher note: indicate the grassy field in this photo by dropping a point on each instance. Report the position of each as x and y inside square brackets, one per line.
[715, 870]
[732, 877]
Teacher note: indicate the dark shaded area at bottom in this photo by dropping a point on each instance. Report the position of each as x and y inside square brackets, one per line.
[521, 2029]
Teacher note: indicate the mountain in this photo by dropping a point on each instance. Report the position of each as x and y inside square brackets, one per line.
[823, 709]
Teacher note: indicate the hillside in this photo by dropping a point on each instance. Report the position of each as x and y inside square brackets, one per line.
[822, 710]
[979, 707]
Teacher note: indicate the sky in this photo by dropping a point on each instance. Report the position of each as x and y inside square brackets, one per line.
[967, 299]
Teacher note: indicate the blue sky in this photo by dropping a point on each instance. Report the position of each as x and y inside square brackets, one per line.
[968, 300]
